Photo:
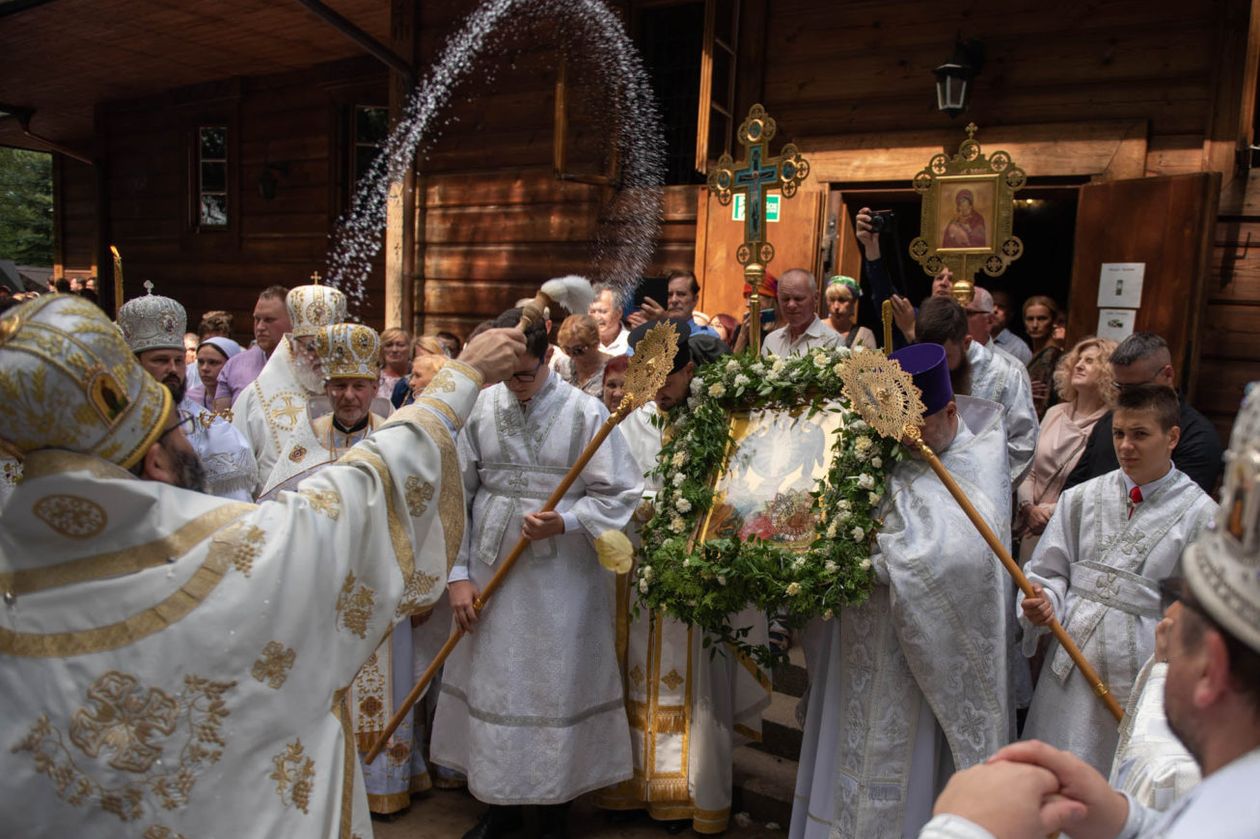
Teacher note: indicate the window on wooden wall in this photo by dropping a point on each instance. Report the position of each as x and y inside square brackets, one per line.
[716, 119]
[213, 207]
[368, 131]
[671, 38]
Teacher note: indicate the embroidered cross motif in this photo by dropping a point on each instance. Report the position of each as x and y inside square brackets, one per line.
[354, 606]
[417, 494]
[672, 680]
[273, 666]
[1108, 585]
[290, 412]
[518, 481]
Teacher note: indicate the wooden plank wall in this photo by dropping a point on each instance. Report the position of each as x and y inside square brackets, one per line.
[74, 208]
[1230, 333]
[291, 119]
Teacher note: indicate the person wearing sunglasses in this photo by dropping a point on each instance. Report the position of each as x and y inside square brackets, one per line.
[176, 663]
[531, 706]
[1095, 569]
[584, 362]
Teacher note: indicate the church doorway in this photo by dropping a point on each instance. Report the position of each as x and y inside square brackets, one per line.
[1045, 219]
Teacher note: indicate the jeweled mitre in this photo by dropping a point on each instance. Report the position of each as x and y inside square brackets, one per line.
[349, 351]
[312, 307]
[153, 322]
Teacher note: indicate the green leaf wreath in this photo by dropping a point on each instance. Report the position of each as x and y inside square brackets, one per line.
[706, 584]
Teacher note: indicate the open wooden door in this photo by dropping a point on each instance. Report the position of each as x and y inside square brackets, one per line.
[795, 237]
[1165, 223]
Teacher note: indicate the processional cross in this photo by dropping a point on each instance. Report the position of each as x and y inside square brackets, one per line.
[758, 175]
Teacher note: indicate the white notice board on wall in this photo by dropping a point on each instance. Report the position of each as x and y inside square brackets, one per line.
[1120, 285]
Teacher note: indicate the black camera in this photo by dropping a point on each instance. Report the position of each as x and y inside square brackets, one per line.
[881, 219]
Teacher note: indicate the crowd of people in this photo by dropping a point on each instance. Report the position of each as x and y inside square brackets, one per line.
[239, 556]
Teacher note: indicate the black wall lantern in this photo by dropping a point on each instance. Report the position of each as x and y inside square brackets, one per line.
[953, 78]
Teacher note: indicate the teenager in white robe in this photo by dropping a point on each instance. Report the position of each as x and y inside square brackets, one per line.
[170, 663]
[531, 708]
[688, 709]
[274, 405]
[1097, 569]
[914, 682]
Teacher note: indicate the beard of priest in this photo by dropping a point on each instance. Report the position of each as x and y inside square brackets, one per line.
[942, 321]
[173, 460]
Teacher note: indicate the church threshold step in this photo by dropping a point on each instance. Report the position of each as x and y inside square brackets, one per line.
[790, 678]
[764, 786]
[780, 732]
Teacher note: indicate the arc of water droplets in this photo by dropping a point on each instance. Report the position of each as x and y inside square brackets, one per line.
[627, 233]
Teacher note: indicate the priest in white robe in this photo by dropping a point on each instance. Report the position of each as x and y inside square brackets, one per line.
[688, 709]
[170, 664]
[274, 405]
[914, 682]
[153, 326]
[531, 707]
[1097, 569]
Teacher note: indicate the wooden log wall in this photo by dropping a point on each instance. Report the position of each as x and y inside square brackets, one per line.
[295, 121]
[74, 208]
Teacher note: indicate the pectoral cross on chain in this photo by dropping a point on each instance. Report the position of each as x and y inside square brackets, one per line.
[756, 177]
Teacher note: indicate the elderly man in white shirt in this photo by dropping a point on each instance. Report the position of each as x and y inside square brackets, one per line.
[798, 303]
[607, 311]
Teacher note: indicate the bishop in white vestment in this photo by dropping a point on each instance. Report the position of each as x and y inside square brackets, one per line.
[914, 682]
[274, 405]
[531, 705]
[170, 663]
[688, 709]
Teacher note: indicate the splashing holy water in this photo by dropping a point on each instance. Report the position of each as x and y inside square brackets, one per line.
[627, 233]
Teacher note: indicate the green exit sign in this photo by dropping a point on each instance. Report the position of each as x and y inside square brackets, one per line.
[773, 203]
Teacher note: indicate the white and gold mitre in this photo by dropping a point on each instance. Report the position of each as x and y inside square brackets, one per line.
[349, 351]
[69, 381]
[312, 307]
[1222, 566]
[153, 322]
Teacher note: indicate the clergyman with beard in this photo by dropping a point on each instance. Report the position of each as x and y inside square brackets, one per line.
[221, 461]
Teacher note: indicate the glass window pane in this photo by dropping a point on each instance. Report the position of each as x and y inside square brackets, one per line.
[214, 177]
[214, 142]
[214, 210]
[371, 125]
[724, 22]
[722, 79]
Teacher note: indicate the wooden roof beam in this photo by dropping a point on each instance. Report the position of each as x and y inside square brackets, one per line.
[346, 27]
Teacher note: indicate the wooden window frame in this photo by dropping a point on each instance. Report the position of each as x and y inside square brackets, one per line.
[215, 110]
[231, 197]
[708, 105]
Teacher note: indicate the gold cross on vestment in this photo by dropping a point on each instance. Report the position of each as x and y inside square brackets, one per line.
[759, 174]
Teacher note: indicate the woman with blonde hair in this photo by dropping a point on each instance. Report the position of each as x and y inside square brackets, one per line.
[1083, 381]
[584, 367]
[395, 360]
[842, 301]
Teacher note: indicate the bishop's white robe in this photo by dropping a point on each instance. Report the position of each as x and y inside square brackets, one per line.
[270, 408]
[310, 447]
[688, 709]
[1101, 570]
[531, 706]
[914, 682]
[177, 664]
[231, 470]
[998, 377]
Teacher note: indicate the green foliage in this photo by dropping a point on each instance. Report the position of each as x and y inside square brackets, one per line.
[26, 207]
[706, 584]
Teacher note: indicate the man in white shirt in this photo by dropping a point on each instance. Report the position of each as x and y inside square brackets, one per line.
[798, 304]
[606, 309]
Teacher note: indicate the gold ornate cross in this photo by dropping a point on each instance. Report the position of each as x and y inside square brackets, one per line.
[315, 278]
[758, 175]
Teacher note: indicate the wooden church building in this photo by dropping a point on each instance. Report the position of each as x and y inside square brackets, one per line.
[217, 144]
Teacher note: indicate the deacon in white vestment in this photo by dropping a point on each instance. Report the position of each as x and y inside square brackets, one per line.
[1098, 565]
[999, 378]
[914, 682]
[170, 663]
[687, 709]
[1211, 699]
[274, 405]
[531, 707]
[153, 326]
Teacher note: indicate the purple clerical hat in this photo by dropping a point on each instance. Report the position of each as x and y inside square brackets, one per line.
[927, 365]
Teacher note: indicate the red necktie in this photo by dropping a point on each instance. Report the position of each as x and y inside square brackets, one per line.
[1135, 498]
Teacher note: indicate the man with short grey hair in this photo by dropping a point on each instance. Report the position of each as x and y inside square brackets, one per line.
[798, 303]
[1144, 358]
[606, 309]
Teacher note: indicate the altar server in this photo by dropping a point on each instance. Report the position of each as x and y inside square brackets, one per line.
[531, 705]
[1097, 568]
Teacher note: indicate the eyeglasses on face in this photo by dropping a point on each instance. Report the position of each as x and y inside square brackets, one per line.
[527, 376]
[186, 421]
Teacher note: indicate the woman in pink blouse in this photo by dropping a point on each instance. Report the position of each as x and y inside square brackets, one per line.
[1082, 379]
